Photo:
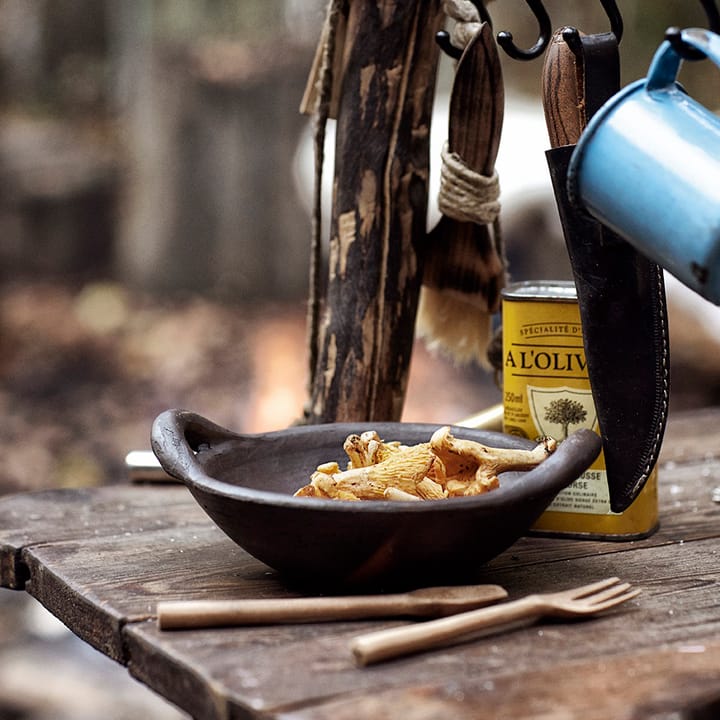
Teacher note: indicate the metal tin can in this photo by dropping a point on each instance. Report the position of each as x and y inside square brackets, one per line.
[546, 391]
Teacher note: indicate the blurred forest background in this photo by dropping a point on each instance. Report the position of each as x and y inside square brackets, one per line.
[154, 238]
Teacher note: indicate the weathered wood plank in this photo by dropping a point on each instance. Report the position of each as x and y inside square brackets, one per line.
[630, 686]
[270, 666]
[277, 669]
[97, 585]
[101, 559]
[77, 514]
[687, 512]
[692, 435]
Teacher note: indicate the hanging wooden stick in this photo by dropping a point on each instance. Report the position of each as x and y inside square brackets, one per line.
[379, 211]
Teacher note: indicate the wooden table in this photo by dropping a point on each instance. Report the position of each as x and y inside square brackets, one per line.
[101, 559]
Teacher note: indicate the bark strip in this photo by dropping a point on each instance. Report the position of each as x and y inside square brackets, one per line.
[379, 213]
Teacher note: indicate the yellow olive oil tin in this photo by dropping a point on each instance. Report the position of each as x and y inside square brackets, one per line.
[546, 391]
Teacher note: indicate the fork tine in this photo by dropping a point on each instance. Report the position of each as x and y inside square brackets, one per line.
[585, 590]
[608, 593]
[616, 600]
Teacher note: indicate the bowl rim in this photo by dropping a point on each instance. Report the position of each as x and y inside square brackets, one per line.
[556, 472]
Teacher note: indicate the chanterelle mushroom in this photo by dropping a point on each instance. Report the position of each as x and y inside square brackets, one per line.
[368, 449]
[403, 469]
[467, 467]
[445, 466]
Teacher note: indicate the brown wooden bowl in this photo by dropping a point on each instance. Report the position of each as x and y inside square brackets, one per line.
[245, 483]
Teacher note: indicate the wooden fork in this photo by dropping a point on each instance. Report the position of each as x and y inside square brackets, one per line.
[585, 600]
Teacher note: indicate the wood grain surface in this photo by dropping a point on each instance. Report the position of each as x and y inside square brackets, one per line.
[379, 212]
[102, 559]
[562, 93]
[465, 257]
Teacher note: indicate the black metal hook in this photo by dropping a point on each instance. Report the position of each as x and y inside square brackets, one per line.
[442, 38]
[616, 21]
[673, 36]
[712, 13]
[571, 35]
[505, 38]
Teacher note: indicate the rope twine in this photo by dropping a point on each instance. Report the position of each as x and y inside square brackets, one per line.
[466, 195]
[467, 21]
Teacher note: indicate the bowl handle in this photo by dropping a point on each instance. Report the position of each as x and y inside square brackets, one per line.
[177, 435]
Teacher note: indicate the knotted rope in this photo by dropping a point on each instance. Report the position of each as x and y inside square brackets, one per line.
[466, 195]
[467, 21]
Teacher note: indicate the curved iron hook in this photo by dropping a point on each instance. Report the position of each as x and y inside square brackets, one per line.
[571, 35]
[672, 35]
[712, 14]
[505, 38]
[442, 38]
[616, 21]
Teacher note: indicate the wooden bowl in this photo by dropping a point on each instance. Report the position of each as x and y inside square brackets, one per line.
[245, 483]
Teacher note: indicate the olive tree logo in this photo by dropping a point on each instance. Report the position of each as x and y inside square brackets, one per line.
[565, 412]
[559, 411]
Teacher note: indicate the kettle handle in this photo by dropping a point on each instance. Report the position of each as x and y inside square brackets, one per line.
[666, 62]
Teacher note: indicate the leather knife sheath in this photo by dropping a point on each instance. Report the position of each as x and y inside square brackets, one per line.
[621, 294]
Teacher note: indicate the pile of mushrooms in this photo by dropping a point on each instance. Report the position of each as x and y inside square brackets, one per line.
[444, 467]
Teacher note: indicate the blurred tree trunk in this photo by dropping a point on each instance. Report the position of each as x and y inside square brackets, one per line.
[211, 127]
[379, 211]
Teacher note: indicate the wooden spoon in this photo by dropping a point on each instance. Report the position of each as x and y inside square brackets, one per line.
[425, 602]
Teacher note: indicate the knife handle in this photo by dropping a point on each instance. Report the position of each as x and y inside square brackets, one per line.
[563, 93]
